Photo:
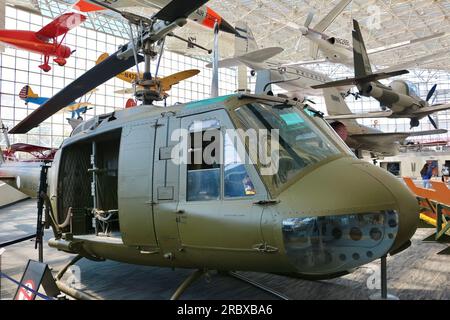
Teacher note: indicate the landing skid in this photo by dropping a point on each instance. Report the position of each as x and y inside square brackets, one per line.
[258, 285]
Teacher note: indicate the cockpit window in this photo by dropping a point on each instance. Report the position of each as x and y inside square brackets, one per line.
[301, 144]
[237, 182]
[413, 89]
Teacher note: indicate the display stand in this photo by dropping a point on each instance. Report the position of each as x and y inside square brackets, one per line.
[383, 294]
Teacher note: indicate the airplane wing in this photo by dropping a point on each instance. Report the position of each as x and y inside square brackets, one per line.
[26, 147]
[227, 63]
[61, 25]
[398, 136]
[406, 43]
[331, 16]
[303, 63]
[368, 115]
[429, 110]
[175, 78]
[257, 56]
[364, 79]
[325, 23]
[441, 54]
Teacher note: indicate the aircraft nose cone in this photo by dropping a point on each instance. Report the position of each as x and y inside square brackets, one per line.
[345, 214]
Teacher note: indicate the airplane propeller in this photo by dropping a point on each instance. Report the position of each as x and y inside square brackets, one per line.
[429, 96]
[431, 92]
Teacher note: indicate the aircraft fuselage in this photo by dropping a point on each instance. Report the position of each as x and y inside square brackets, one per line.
[163, 213]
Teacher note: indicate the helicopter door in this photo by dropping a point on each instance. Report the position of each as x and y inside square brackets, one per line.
[217, 208]
[165, 185]
[135, 194]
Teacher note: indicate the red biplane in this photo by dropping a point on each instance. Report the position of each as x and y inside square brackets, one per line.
[45, 41]
[35, 153]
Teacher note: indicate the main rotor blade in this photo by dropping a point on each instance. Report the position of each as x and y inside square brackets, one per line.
[431, 92]
[99, 74]
[178, 9]
[432, 121]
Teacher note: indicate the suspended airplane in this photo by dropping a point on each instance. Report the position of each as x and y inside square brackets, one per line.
[360, 137]
[119, 184]
[20, 159]
[400, 96]
[45, 41]
[338, 50]
[162, 85]
[204, 15]
[297, 81]
[76, 108]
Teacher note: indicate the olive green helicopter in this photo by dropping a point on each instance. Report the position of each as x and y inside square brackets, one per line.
[125, 186]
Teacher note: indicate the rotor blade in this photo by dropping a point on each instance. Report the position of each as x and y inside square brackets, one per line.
[178, 9]
[99, 74]
[431, 92]
[432, 121]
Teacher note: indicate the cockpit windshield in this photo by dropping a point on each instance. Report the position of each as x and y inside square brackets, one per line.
[300, 144]
[412, 88]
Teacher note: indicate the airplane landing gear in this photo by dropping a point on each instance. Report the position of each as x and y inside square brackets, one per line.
[60, 61]
[45, 66]
[414, 123]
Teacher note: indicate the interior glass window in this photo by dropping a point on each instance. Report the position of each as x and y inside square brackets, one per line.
[237, 182]
[203, 169]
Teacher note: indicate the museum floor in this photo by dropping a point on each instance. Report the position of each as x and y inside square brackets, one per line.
[418, 273]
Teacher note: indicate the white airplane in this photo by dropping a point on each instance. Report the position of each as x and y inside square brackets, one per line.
[338, 50]
[204, 15]
[297, 81]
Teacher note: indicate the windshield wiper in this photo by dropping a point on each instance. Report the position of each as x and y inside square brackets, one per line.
[316, 113]
[282, 106]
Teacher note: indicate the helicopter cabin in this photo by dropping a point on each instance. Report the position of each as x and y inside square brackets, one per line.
[139, 175]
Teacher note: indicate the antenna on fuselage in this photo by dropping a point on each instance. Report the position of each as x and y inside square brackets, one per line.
[215, 63]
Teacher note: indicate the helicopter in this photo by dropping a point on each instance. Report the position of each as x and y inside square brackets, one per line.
[135, 185]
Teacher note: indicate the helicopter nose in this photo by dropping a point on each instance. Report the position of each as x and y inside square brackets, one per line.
[345, 214]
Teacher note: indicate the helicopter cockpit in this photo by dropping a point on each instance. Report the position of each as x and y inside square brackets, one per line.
[413, 90]
[300, 142]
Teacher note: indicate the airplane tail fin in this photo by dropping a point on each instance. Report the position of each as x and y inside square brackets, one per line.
[360, 56]
[27, 92]
[102, 57]
[244, 41]
[336, 104]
